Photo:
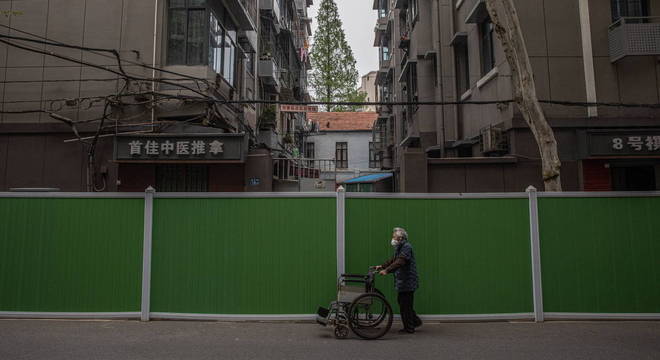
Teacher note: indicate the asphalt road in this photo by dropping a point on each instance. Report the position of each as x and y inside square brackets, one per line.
[57, 339]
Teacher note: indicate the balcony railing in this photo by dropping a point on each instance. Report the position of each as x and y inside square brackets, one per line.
[634, 36]
[296, 169]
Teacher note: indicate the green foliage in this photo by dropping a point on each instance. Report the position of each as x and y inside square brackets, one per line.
[335, 76]
[354, 96]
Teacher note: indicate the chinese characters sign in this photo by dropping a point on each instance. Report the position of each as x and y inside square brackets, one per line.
[179, 147]
[299, 108]
[624, 144]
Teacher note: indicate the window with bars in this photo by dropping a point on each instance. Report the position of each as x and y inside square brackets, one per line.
[341, 155]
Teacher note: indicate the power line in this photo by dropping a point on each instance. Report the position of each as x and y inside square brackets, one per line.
[47, 41]
[96, 66]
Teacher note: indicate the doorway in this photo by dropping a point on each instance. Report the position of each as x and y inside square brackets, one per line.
[634, 178]
[182, 178]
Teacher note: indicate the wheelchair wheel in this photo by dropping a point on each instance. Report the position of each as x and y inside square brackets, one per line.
[370, 316]
[341, 332]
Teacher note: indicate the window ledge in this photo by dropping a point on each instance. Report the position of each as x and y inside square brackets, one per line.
[459, 3]
[466, 95]
[488, 77]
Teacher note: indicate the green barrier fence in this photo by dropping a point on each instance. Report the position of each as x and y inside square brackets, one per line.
[473, 256]
[277, 255]
[243, 256]
[70, 255]
[600, 255]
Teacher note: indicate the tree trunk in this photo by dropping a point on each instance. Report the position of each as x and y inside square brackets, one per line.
[507, 25]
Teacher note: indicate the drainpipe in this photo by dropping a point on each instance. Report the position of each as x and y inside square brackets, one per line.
[438, 63]
[588, 58]
[153, 65]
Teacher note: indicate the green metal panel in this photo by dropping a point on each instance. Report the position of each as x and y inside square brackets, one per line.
[70, 255]
[600, 255]
[473, 256]
[243, 256]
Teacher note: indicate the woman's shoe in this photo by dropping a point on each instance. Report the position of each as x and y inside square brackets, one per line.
[407, 331]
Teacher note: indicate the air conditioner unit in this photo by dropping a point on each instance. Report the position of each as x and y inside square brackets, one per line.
[493, 140]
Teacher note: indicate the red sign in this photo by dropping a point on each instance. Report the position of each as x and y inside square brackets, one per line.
[299, 108]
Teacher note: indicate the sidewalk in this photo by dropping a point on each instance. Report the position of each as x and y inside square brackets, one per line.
[56, 339]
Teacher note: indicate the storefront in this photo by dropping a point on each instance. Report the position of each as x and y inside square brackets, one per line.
[181, 162]
[621, 160]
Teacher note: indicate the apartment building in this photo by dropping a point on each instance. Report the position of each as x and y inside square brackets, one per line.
[592, 51]
[119, 95]
[368, 86]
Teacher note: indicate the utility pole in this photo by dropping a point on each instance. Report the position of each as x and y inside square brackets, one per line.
[507, 25]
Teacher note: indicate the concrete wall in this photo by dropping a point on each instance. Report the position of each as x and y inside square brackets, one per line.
[358, 146]
[369, 86]
[120, 24]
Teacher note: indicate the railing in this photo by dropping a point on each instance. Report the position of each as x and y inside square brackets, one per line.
[296, 169]
[634, 36]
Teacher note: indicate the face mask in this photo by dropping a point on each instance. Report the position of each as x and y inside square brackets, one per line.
[394, 243]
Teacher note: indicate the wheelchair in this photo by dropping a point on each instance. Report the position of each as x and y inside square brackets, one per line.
[360, 308]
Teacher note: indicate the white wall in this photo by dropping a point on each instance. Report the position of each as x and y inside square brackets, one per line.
[358, 151]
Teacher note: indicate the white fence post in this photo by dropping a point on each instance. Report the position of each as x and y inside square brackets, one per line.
[146, 252]
[341, 231]
[536, 253]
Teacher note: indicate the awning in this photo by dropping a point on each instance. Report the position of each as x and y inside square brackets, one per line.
[369, 179]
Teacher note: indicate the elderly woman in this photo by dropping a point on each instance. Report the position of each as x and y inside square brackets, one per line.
[405, 278]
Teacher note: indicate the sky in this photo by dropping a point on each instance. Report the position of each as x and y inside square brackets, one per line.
[359, 21]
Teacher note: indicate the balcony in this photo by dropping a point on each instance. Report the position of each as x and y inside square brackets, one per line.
[269, 72]
[639, 36]
[271, 8]
[242, 11]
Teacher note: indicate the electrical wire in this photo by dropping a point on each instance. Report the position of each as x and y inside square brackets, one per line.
[51, 42]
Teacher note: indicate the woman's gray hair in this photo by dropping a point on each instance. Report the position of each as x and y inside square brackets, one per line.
[400, 233]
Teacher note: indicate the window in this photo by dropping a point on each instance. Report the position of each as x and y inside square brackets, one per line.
[384, 53]
[198, 35]
[222, 54]
[374, 157]
[486, 29]
[309, 150]
[462, 68]
[383, 8]
[629, 8]
[249, 63]
[186, 32]
[341, 155]
[411, 88]
[414, 12]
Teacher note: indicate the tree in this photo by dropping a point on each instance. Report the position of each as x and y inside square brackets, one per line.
[507, 25]
[334, 76]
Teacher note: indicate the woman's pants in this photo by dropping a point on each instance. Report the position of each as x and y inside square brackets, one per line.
[408, 316]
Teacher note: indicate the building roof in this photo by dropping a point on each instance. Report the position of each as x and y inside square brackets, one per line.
[368, 179]
[344, 121]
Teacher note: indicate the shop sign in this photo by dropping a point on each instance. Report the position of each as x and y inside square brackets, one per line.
[179, 147]
[624, 144]
[299, 108]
